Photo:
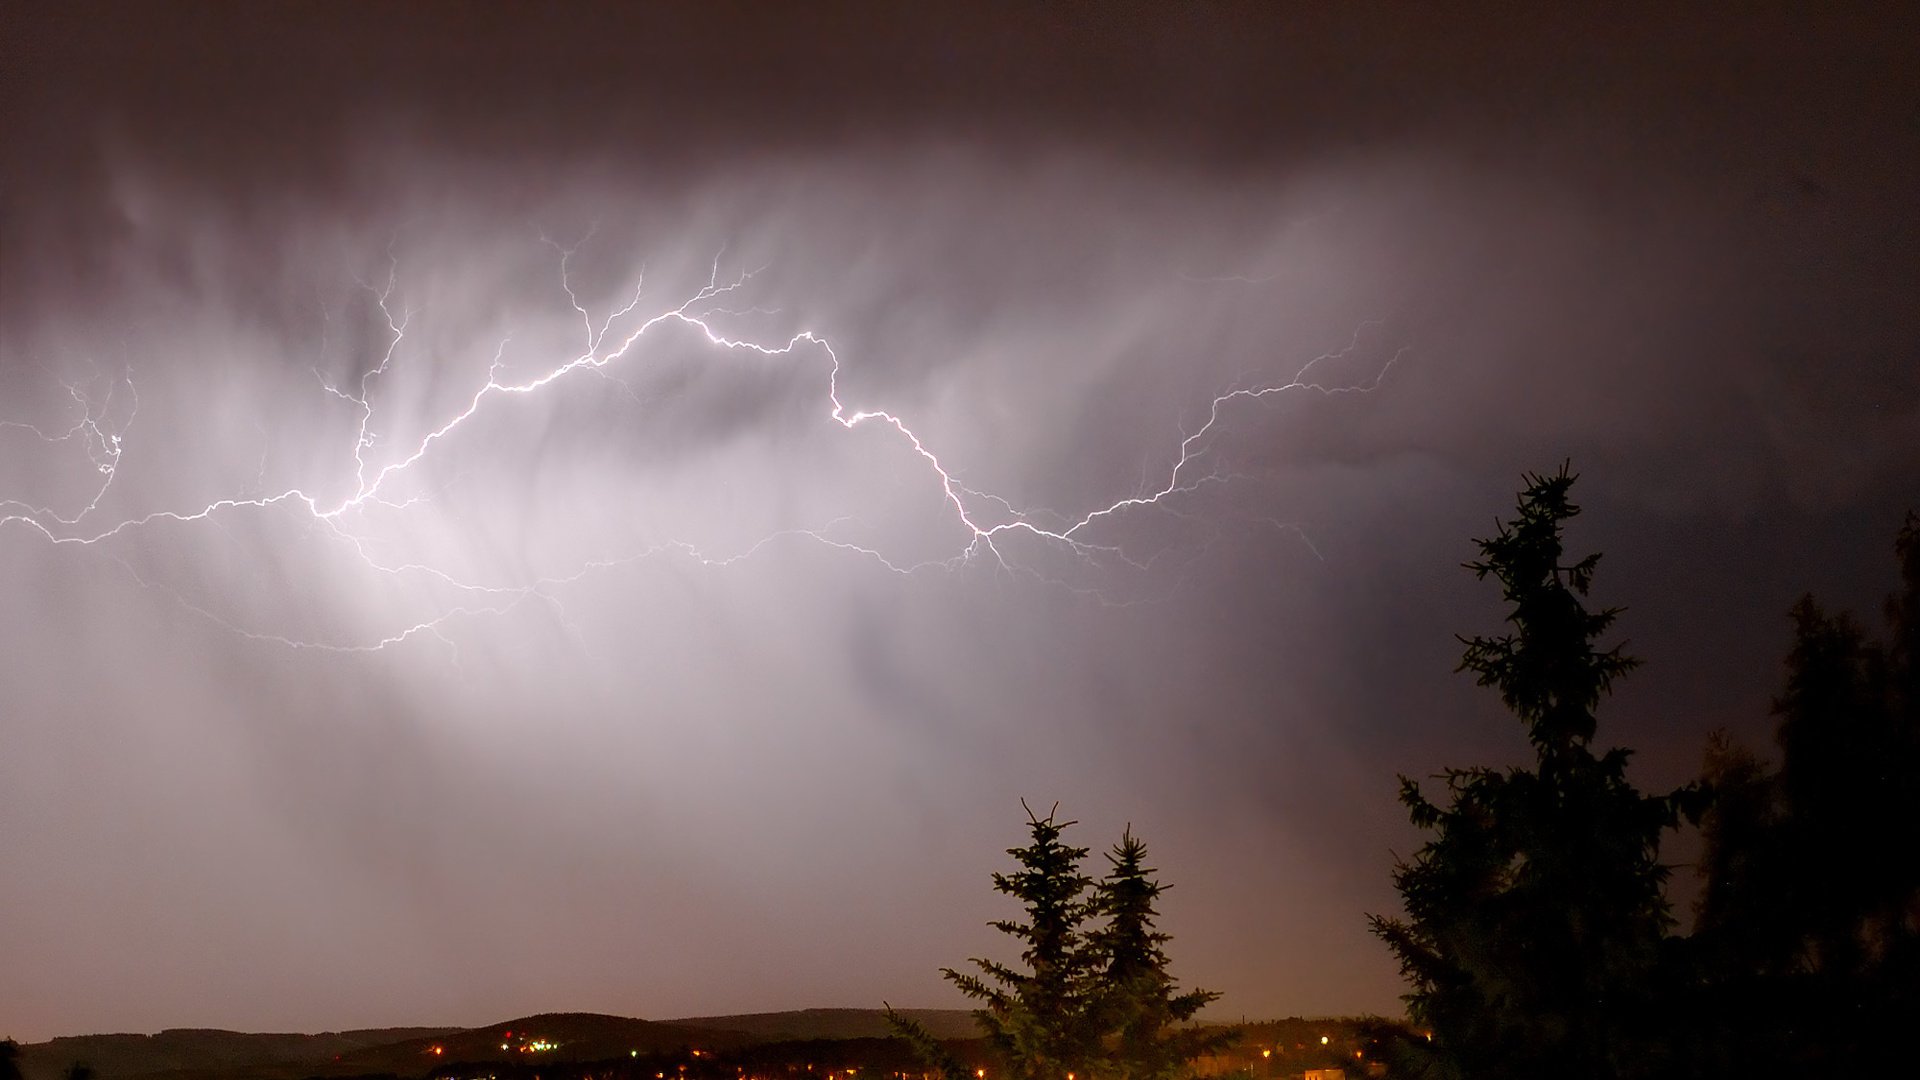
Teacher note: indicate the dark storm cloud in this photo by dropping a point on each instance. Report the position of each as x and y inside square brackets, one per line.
[1675, 248]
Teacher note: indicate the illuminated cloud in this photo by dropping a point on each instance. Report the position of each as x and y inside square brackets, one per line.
[535, 518]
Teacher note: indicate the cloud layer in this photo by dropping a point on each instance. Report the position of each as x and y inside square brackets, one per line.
[678, 736]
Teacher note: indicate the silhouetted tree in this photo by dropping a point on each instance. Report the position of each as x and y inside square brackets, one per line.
[1042, 1019]
[1740, 920]
[1146, 1018]
[1535, 919]
[1839, 747]
[9, 1060]
[930, 1050]
[1094, 998]
[1809, 922]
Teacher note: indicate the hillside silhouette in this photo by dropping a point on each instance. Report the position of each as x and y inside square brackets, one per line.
[212, 1054]
[194, 1052]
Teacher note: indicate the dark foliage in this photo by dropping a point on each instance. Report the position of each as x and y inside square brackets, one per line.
[1041, 1018]
[1147, 1020]
[1807, 948]
[1536, 926]
[1093, 996]
[934, 1055]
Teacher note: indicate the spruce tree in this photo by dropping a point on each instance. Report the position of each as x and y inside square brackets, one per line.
[1093, 998]
[1535, 920]
[1042, 1017]
[1146, 1017]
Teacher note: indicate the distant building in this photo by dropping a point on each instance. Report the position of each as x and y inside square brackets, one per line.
[1324, 1074]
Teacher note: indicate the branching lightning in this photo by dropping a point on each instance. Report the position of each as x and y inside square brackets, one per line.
[102, 428]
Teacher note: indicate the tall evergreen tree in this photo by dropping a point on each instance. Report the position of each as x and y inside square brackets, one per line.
[1740, 917]
[1535, 919]
[1808, 941]
[1042, 1018]
[1147, 1018]
[1837, 742]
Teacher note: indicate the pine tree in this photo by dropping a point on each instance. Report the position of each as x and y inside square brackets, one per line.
[1535, 916]
[1147, 1018]
[1043, 1019]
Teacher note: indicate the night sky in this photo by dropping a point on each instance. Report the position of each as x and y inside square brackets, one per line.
[337, 690]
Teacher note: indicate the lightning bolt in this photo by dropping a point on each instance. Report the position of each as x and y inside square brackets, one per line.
[101, 426]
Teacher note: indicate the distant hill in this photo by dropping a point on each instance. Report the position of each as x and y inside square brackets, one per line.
[839, 1023]
[202, 1050]
[576, 1036]
[203, 1054]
